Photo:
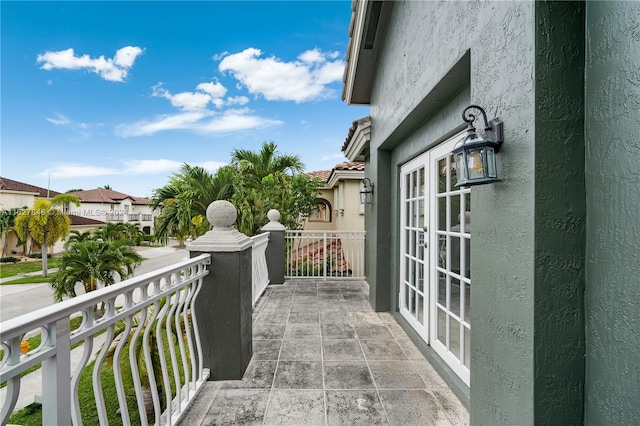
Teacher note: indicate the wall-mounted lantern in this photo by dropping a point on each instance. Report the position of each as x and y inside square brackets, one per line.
[366, 193]
[475, 153]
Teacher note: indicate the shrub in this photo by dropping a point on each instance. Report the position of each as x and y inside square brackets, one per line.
[9, 259]
[38, 256]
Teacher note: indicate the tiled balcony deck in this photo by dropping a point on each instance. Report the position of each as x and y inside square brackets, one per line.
[322, 356]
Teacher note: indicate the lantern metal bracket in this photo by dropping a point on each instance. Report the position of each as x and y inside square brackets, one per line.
[493, 129]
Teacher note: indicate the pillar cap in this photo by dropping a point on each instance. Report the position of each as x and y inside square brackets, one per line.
[274, 225]
[223, 237]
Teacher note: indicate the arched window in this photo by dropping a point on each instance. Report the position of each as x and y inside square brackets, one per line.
[321, 212]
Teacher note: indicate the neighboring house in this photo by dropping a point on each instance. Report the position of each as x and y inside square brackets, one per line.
[113, 206]
[339, 205]
[16, 195]
[524, 294]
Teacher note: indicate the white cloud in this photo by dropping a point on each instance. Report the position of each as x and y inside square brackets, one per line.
[219, 56]
[130, 167]
[75, 171]
[183, 120]
[216, 90]
[237, 100]
[203, 121]
[311, 56]
[111, 69]
[195, 116]
[191, 101]
[303, 80]
[59, 120]
[64, 121]
[147, 167]
[235, 120]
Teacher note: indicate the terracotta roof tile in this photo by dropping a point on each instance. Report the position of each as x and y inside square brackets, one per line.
[350, 165]
[101, 195]
[322, 174]
[80, 220]
[352, 130]
[14, 185]
[325, 175]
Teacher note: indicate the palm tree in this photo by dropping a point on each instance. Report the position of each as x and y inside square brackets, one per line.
[76, 236]
[112, 231]
[131, 232]
[185, 199]
[7, 223]
[268, 161]
[45, 223]
[91, 262]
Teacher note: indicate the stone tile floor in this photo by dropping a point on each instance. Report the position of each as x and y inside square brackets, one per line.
[322, 356]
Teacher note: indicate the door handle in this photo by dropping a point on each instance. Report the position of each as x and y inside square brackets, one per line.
[424, 236]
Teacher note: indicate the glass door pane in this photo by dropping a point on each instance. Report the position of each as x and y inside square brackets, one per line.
[414, 243]
[450, 301]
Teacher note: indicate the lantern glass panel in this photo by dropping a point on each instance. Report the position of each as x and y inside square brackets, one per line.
[460, 167]
[475, 162]
[491, 163]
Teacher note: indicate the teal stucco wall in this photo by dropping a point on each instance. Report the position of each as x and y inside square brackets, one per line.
[436, 58]
[613, 213]
[559, 218]
[555, 248]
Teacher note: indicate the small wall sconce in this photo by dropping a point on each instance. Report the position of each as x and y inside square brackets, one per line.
[475, 152]
[366, 193]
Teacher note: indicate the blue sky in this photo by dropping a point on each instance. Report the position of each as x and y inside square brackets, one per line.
[122, 93]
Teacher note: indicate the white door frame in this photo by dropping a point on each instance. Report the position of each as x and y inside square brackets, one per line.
[436, 256]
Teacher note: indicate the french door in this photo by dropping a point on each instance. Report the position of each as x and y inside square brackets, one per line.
[435, 277]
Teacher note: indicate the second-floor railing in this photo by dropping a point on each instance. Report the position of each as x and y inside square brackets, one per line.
[133, 217]
[147, 217]
[110, 217]
[260, 273]
[151, 348]
[325, 254]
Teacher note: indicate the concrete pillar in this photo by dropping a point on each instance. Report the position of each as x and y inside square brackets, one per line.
[276, 249]
[223, 307]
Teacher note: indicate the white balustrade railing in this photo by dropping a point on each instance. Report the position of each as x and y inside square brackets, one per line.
[151, 333]
[325, 254]
[260, 273]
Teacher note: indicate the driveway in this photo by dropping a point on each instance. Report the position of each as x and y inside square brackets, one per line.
[19, 299]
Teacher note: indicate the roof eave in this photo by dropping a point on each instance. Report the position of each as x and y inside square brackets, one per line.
[338, 175]
[359, 144]
[369, 21]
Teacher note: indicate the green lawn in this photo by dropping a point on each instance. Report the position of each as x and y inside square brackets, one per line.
[32, 415]
[10, 269]
[34, 342]
[31, 280]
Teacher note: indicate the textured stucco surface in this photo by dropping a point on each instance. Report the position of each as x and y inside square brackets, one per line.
[224, 313]
[559, 344]
[613, 213]
[424, 41]
[555, 250]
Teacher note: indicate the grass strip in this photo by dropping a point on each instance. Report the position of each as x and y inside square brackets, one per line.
[34, 342]
[11, 270]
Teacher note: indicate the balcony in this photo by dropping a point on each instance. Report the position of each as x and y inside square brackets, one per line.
[320, 354]
[133, 217]
[112, 217]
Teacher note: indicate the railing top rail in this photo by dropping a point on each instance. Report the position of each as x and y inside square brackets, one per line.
[295, 231]
[35, 319]
[258, 238]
